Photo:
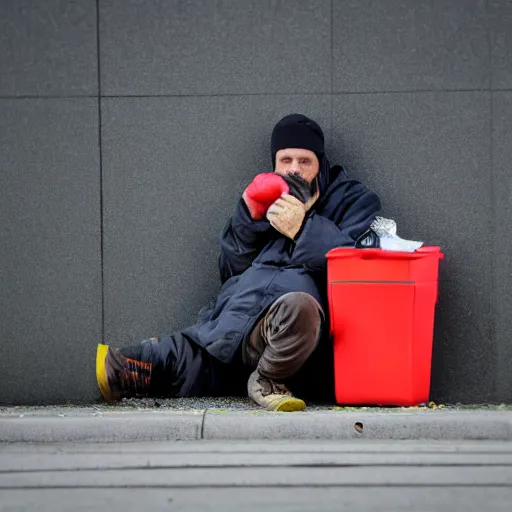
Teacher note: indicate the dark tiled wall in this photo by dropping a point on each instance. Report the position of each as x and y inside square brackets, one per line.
[120, 163]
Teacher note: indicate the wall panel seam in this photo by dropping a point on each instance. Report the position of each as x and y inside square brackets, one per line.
[492, 200]
[100, 172]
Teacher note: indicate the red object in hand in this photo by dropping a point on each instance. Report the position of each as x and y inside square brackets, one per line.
[264, 190]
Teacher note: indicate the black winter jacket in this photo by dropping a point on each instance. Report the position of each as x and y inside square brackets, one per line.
[258, 264]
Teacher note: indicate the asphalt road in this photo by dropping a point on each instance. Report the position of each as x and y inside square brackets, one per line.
[257, 476]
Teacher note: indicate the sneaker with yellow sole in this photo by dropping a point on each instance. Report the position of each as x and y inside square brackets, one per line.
[119, 376]
[272, 395]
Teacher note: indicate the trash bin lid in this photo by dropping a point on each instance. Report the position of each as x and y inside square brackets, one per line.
[432, 251]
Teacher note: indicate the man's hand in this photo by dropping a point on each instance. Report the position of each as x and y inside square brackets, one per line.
[287, 214]
[262, 192]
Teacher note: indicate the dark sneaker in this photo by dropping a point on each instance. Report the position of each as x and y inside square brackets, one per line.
[272, 395]
[119, 376]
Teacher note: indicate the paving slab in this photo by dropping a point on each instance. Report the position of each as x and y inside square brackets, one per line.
[111, 424]
[256, 499]
[110, 427]
[358, 425]
[36, 462]
[322, 476]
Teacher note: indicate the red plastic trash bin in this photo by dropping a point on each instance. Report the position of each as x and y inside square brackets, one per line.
[381, 305]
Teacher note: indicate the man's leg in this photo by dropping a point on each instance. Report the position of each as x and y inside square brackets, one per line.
[278, 346]
[172, 367]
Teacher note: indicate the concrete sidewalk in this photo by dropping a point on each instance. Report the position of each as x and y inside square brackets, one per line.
[238, 419]
[252, 476]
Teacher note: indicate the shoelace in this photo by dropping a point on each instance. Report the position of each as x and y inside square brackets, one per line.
[137, 374]
[270, 387]
[281, 389]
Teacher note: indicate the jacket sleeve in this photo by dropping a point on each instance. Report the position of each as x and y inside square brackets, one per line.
[240, 242]
[320, 234]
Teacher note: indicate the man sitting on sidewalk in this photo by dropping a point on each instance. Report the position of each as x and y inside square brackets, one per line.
[271, 310]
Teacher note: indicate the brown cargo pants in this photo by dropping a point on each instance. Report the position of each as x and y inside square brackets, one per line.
[284, 338]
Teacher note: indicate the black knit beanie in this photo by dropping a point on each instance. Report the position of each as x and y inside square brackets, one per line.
[297, 131]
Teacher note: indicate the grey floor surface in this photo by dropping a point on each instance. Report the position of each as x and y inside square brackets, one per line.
[257, 475]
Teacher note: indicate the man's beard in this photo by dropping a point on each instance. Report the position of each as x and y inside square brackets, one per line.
[299, 187]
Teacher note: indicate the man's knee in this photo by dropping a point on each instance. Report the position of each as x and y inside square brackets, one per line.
[296, 312]
[286, 335]
[291, 330]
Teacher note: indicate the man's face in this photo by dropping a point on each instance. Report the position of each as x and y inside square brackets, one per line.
[302, 162]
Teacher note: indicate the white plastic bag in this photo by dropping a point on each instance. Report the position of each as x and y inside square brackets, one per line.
[389, 240]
